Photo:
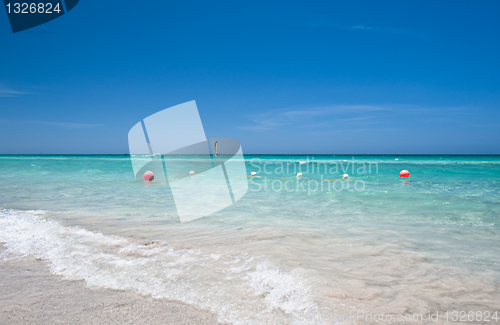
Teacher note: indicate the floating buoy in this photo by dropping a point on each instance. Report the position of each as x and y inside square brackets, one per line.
[299, 175]
[345, 176]
[191, 173]
[404, 173]
[149, 176]
[302, 162]
[253, 174]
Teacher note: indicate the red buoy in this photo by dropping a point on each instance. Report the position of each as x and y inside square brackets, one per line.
[404, 173]
[149, 176]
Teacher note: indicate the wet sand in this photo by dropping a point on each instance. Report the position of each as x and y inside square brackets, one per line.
[30, 294]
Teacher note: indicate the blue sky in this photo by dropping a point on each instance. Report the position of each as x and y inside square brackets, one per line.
[280, 77]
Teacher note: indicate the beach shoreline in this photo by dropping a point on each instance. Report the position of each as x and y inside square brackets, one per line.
[30, 294]
[401, 247]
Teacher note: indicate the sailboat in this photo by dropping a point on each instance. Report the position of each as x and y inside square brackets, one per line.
[216, 149]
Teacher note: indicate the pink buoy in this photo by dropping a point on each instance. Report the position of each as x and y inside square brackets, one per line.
[149, 176]
[404, 173]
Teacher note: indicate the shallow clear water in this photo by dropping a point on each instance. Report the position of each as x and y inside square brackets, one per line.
[290, 251]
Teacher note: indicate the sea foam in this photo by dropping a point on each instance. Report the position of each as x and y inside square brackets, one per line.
[240, 289]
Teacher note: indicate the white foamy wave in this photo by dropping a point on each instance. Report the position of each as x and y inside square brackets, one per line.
[281, 290]
[241, 289]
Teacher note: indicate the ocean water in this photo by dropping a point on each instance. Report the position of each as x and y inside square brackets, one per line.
[291, 251]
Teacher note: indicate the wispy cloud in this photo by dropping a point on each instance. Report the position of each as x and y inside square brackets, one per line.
[382, 29]
[309, 116]
[7, 92]
[362, 27]
[326, 116]
[51, 123]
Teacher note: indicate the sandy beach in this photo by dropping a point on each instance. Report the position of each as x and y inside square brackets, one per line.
[30, 294]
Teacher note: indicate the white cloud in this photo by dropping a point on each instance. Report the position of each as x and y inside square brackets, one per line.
[7, 92]
[374, 29]
[389, 30]
[59, 124]
[326, 116]
[361, 27]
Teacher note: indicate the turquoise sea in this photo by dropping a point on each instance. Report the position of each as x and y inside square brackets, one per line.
[291, 251]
